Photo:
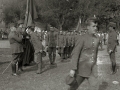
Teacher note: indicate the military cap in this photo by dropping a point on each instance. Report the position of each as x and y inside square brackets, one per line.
[112, 24]
[20, 22]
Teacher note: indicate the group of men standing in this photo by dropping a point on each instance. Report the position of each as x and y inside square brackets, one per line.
[82, 48]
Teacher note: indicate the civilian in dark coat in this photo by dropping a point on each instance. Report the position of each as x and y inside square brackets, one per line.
[84, 55]
[112, 44]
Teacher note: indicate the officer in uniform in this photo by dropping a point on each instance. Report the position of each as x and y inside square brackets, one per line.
[16, 47]
[61, 44]
[51, 44]
[20, 33]
[112, 44]
[84, 55]
[37, 44]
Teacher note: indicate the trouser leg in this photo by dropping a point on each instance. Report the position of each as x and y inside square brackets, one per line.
[39, 63]
[54, 54]
[50, 55]
[15, 58]
[113, 61]
[20, 61]
[78, 83]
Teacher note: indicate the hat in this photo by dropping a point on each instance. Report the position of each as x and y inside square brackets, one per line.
[70, 80]
[112, 24]
[20, 22]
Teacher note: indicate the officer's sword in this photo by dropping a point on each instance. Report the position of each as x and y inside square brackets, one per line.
[7, 67]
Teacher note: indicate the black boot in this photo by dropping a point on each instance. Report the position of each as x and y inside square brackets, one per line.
[14, 70]
[39, 71]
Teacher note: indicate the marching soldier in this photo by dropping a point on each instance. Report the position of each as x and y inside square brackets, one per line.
[37, 44]
[112, 44]
[84, 56]
[51, 44]
[16, 47]
[61, 44]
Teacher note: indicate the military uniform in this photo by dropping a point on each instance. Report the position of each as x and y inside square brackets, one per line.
[112, 43]
[61, 45]
[16, 48]
[37, 44]
[51, 42]
[87, 47]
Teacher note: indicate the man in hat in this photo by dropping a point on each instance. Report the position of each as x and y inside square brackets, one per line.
[16, 47]
[84, 56]
[51, 43]
[37, 44]
[112, 44]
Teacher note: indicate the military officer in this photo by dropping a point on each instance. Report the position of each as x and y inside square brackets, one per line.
[51, 44]
[61, 44]
[37, 44]
[112, 43]
[16, 47]
[20, 33]
[84, 55]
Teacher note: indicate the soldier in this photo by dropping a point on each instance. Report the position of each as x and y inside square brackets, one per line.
[51, 44]
[16, 47]
[20, 33]
[84, 55]
[112, 43]
[61, 44]
[37, 44]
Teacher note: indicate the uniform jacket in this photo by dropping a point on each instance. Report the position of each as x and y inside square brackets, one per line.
[84, 55]
[51, 39]
[36, 42]
[61, 42]
[15, 42]
[112, 40]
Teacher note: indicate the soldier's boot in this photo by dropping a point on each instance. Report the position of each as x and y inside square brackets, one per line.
[54, 57]
[39, 66]
[20, 66]
[14, 70]
[62, 56]
[50, 58]
[114, 70]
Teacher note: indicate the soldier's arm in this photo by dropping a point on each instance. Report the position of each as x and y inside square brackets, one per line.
[17, 39]
[77, 52]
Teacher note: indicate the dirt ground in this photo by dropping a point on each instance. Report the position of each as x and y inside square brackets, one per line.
[54, 78]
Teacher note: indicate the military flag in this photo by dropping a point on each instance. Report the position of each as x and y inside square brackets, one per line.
[31, 13]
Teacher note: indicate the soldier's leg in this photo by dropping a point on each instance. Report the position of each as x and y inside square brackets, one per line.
[113, 61]
[20, 61]
[59, 50]
[50, 54]
[39, 63]
[54, 54]
[15, 58]
[78, 83]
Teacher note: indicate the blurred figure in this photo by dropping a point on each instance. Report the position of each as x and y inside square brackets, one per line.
[51, 44]
[16, 47]
[112, 44]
